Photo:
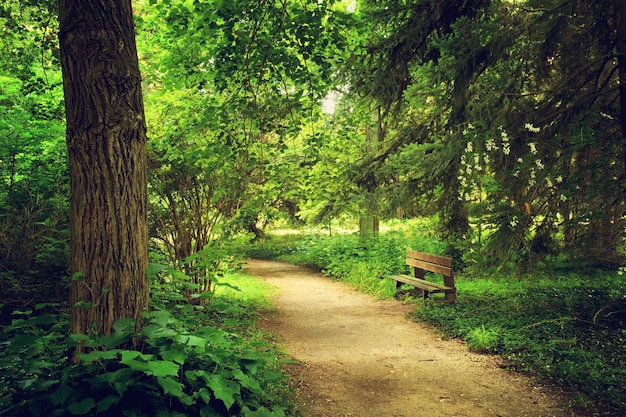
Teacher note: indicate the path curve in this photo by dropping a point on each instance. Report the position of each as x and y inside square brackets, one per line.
[359, 356]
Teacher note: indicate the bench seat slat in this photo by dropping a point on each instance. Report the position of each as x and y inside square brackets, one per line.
[421, 283]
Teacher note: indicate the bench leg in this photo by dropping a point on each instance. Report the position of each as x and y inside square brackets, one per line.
[413, 291]
[398, 285]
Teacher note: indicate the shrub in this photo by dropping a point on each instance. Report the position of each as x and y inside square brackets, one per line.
[186, 367]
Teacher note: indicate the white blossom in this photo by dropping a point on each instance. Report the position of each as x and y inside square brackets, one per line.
[532, 128]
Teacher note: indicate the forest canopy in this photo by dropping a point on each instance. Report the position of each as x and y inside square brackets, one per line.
[503, 118]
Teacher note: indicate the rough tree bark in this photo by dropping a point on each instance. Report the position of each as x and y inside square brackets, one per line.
[106, 141]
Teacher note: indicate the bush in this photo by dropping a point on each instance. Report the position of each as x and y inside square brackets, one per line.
[186, 367]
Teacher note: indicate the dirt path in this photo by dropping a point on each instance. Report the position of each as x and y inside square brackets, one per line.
[359, 356]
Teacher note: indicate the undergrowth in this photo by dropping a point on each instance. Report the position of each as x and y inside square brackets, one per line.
[196, 360]
[566, 328]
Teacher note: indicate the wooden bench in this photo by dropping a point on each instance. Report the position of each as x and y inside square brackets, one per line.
[421, 262]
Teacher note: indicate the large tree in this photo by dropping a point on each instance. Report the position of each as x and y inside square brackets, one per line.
[106, 141]
[519, 133]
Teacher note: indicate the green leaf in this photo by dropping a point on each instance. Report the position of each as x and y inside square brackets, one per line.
[191, 340]
[224, 389]
[81, 339]
[247, 382]
[39, 306]
[125, 325]
[128, 355]
[106, 403]
[208, 411]
[148, 365]
[154, 331]
[120, 379]
[160, 317]
[24, 340]
[204, 394]
[227, 285]
[78, 276]
[175, 354]
[163, 368]
[82, 407]
[84, 304]
[19, 312]
[171, 386]
[62, 394]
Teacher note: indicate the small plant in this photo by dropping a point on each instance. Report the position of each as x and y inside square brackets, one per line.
[483, 340]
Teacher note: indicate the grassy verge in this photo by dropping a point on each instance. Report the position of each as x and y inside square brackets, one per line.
[566, 328]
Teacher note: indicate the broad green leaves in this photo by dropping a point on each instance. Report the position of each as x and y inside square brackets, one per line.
[185, 368]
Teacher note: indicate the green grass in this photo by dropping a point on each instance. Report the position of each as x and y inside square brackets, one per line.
[570, 330]
[567, 328]
[244, 289]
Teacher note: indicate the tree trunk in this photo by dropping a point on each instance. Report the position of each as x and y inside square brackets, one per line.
[106, 141]
[369, 227]
[369, 219]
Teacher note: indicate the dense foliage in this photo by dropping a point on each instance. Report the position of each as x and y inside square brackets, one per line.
[195, 360]
[503, 121]
[506, 114]
[33, 171]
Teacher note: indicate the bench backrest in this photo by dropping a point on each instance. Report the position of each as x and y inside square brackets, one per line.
[421, 262]
[429, 262]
